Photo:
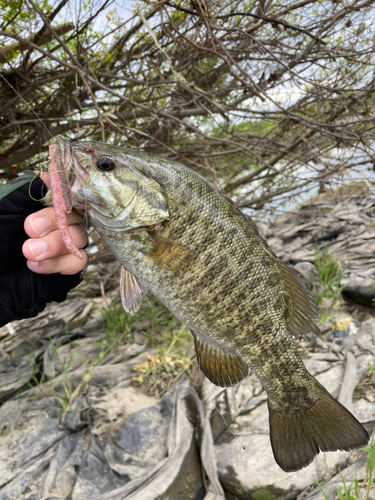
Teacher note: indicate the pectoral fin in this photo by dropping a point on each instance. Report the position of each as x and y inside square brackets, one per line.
[132, 291]
[302, 312]
[171, 255]
[220, 367]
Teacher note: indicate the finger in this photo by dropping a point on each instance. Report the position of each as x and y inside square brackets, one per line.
[52, 245]
[64, 264]
[44, 221]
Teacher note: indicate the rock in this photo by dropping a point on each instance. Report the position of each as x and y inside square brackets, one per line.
[63, 468]
[70, 356]
[360, 286]
[95, 475]
[331, 379]
[247, 469]
[330, 488]
[144, 433]
[30, 434]
[364, 410]
[118, 403]
[167, 453]
[327, 304]
[306, 271]
[14, 374]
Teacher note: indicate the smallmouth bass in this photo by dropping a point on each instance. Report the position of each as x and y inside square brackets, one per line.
[177, 236]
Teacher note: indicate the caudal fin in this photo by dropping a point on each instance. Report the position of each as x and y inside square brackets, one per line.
[298, 434]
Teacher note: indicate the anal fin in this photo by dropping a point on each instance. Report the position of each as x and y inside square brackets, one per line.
[132, 291]
[220, 367]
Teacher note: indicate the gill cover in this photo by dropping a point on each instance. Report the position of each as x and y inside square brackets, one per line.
[119, 196]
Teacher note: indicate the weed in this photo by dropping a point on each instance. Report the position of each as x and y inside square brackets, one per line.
[355, 490]
[370, 464]
[35, 381]
[329, 276]
[161, 370]
[116, 322]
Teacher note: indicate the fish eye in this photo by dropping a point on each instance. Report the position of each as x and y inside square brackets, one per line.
[105, 164]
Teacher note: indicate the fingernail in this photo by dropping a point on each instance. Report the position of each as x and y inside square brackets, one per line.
[40, 225]
[37, 247]
[33, 266]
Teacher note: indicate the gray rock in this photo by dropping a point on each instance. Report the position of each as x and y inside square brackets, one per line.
[331, 379]
[62, 471]
[14, 374]
[360, 285]
[364, 410]
[246, 466]
[330, 488]
[174, 468]
[306, 272]
[143, 436]
[95, 476]
[30, 434]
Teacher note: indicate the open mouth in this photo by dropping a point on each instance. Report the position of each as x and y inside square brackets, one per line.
[77, 174]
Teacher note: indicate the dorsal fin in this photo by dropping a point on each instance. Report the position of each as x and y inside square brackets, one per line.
[302, 312]
[220, 367]
[132, 291]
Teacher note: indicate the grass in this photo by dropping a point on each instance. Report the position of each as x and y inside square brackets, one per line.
[329, 276]
[172, 360]
[357, 490]
[116, 322]
[160, 330]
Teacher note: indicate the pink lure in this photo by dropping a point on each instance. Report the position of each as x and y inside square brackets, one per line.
[61, 195]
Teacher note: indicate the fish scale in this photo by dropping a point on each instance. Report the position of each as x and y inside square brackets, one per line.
[188, 244]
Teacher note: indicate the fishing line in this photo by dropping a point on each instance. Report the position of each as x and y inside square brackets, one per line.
[32, 180]
[225, 422]
[27, 104]
[38, 117]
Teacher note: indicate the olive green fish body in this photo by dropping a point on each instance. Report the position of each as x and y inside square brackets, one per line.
[229, 294]
[204, 259]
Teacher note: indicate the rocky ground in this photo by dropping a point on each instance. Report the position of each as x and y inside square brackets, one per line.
[98, 405]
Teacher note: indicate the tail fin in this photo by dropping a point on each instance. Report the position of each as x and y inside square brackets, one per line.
[298, 435]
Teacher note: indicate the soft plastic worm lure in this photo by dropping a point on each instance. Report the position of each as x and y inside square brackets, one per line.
[61, 193]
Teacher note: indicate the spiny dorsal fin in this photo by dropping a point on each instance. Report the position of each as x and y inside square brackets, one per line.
[132, 291]
[302, 312]
[171, 255]
[220, 367]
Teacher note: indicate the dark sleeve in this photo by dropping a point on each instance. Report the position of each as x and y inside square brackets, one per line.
[24, 294]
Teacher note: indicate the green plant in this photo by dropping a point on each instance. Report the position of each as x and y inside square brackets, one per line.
[353, 491]
[329, 276]
[370, 463]
[35, 381]
[349, 494]
[162, 369]
[117, 322]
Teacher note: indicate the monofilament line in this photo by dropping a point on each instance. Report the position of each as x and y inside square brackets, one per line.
[27, 104]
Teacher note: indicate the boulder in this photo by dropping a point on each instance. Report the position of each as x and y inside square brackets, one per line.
[360, 286]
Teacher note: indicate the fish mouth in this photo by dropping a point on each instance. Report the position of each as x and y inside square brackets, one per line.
[77, 175]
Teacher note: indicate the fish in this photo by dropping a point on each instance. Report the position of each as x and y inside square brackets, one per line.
[177, 236]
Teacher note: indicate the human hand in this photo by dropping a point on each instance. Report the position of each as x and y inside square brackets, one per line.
[45, 250]
[23, 292]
